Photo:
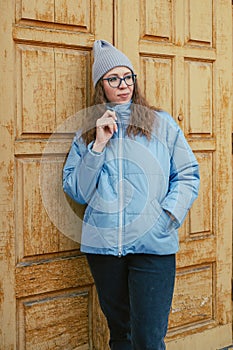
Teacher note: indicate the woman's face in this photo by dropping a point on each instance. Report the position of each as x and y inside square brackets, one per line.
[121, 94]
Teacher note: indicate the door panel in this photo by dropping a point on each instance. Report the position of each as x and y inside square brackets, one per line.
[199, 25]
[179, 55]
[74, 12]
[41, 91]
[199, 102]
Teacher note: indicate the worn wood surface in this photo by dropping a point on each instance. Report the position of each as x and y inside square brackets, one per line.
[182, 53]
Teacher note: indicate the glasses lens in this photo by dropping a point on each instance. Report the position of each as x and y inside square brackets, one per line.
[129, 79]
[115, 82]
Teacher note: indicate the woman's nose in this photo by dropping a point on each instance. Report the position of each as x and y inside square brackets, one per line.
[122, 84]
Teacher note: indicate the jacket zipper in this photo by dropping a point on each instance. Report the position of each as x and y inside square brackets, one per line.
[120, 152]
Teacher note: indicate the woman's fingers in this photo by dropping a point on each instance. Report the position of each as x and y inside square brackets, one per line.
[105, 128]
[107, 122]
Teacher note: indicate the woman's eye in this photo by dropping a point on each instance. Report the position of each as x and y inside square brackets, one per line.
[113, 79]
[128, 77]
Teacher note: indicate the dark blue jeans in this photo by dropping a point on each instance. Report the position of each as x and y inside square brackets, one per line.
[135, 294]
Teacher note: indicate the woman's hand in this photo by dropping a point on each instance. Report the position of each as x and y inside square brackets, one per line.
[105, 128]
[170, 214]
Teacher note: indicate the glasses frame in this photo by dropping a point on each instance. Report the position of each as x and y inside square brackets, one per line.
[134, 76]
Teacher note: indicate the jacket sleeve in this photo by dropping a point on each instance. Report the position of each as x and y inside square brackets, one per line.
[81, 172]
[184, 179]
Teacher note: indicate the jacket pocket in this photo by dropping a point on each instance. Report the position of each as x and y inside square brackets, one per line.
[164, 222]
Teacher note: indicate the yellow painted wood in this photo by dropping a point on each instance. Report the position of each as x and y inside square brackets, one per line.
[7, 118]
[212, 339]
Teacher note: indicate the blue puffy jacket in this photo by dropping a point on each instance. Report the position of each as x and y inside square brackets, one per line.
[130, 187]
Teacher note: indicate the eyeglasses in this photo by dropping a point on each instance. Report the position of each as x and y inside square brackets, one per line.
[115, 82]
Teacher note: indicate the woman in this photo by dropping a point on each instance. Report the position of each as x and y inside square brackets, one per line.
[138, 177]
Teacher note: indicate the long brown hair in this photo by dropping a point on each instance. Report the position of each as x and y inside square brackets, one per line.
[142, 119]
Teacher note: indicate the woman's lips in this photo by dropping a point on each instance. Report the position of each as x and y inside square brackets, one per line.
[123, 95]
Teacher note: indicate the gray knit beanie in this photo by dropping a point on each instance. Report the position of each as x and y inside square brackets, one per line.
[107, 57]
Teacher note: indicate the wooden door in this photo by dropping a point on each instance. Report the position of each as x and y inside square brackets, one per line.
[182, 53]
[46, 290]
[182, 50]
